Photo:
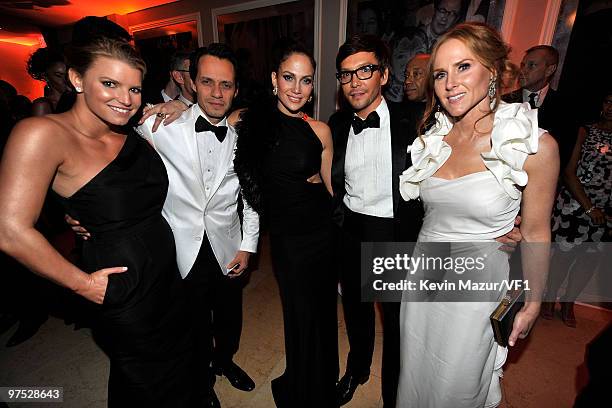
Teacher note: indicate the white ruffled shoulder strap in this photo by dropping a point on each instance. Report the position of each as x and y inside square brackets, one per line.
[515, 136]
[428, 152]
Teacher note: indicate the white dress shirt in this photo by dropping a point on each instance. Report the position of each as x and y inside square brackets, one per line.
[208, 152]
[165, 96]
[539, 98]
[186, 101]
[368, 169]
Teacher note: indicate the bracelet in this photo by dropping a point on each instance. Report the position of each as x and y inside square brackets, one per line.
[590, 210]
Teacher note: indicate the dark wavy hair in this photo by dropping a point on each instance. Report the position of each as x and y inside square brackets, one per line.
[364, 43]
[90, 28]
[41, 60]
[284, 48]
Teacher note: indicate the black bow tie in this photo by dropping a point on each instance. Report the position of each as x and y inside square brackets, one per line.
[202, 125]
[372, 121]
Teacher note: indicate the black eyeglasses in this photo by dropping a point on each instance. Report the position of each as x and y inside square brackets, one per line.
[362, 73]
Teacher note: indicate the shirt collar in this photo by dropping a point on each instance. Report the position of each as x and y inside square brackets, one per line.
[540, 95]
[382, 109]
[431, 37]
[198, 111]
[184, 100]
[165, 96]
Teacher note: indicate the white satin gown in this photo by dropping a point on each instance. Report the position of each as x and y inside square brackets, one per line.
[449, 358]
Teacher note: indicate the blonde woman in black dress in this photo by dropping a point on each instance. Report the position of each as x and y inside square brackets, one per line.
[115, 184]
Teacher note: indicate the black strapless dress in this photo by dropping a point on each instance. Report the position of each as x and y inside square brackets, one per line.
[299, 219]
[143, 324]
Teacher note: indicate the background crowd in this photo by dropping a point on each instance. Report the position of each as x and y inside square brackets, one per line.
[304, 179]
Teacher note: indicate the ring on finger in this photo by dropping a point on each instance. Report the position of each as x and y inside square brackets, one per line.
[162, 115]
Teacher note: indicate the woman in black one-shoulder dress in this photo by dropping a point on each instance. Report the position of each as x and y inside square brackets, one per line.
[142, 324]
[283, 161]
[115, 184]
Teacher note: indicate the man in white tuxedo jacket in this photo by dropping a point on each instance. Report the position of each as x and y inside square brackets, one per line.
[201, 207]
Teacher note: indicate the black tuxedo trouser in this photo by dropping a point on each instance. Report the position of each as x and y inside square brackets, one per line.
[215, 302]
[360, 316]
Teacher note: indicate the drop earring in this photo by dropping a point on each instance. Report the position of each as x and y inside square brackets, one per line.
[310, 99]
[78, 89]
[492, 91]
[275, 91]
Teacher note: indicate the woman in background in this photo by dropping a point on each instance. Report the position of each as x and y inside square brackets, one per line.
[47, 65]
[583, 213]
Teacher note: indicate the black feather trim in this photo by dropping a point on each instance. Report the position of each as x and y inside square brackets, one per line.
[257, 134]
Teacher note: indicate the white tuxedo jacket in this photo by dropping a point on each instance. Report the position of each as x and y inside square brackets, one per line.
[187, 210]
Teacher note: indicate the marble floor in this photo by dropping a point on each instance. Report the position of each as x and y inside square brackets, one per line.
[544, 371]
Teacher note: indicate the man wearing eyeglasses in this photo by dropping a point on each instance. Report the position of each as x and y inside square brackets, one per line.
[447, 13]
[370, 152]
[179, 73]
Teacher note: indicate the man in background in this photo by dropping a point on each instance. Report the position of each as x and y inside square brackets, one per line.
[415, 84]
[538, 67]
[447, 13]
[179, 74]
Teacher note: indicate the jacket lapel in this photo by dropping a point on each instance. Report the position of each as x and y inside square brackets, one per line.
[340, 125]
[402, 131]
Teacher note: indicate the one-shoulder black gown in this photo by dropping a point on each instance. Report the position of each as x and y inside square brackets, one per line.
[299, 219]
[143, 324]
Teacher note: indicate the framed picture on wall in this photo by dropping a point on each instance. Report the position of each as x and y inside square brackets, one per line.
[412, 27]
[256, 31]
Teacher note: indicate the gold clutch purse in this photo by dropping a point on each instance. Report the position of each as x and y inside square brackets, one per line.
[502, 317]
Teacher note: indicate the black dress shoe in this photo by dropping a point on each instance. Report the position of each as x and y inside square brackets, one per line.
[567, 314]
[347, 385]
[25, 331]
[212, 401]
[236, 376]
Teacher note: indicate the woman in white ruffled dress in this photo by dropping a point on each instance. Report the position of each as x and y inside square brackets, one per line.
[479, 161]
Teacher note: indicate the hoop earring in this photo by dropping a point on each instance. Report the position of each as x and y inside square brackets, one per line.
[78, 89]
[275, 91]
